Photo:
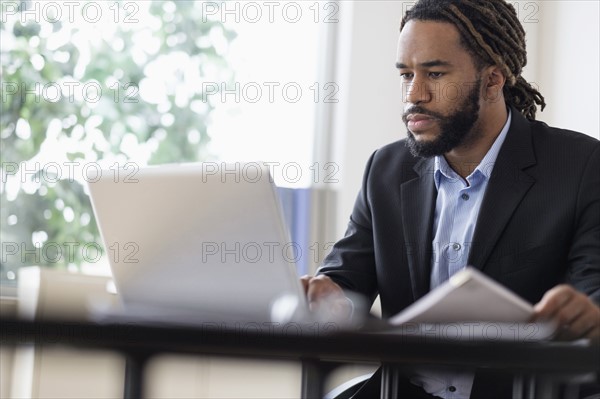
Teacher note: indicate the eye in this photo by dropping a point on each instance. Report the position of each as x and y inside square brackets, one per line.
[436, 75]
[406, 75]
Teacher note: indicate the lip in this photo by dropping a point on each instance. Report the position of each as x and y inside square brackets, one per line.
[419, 122]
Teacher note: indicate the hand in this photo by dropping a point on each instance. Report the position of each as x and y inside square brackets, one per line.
[574, 313]
[326, 296]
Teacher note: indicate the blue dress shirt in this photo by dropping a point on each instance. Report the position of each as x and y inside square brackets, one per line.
[456, 209]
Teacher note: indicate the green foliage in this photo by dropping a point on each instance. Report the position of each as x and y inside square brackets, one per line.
[150, 110]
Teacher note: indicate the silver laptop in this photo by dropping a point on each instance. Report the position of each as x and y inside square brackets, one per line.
[205, 240]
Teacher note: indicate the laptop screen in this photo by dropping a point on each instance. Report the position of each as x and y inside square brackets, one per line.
[203, 237]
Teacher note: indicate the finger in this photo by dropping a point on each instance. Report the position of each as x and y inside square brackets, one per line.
[594, 319]
[314, 291]
[570, 311]
[305, 280]
[584, 326]
[320, 288]
[578, 317]
[341, 308]
[552, 301]
[567, 334]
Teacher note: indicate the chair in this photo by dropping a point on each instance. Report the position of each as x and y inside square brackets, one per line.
[348, 388]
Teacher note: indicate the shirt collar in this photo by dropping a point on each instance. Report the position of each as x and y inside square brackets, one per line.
[486, 165]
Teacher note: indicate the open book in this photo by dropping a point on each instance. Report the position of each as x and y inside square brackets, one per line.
[471, 301]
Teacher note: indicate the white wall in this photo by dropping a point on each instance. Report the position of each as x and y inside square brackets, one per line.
[568, 70]
[370, 108]
[563, 46]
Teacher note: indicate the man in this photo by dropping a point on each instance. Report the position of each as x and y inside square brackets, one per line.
[477, 182]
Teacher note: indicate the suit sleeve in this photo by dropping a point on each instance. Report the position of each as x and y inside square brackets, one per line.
[584, 254]
[351, 263]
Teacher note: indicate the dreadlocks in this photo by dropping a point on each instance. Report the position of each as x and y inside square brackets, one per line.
[491, 32]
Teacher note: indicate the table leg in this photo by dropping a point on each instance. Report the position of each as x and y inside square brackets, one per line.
[313, 380]
[134, 376]
[518, 387]
[389, 381]
[536, 386]
[547, 387]
[314, 376]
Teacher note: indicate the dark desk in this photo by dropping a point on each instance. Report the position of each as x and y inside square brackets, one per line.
[320, 348]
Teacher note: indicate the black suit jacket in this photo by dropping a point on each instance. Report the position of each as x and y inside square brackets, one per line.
[538, 225]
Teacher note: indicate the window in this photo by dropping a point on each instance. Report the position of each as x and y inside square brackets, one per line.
[102, 85]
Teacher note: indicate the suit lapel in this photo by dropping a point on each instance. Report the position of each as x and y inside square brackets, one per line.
[418, 206]
[507, 186]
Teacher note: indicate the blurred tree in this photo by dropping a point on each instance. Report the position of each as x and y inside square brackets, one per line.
[84, 90]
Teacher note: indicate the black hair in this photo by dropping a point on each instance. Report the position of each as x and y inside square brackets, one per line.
[491, 32]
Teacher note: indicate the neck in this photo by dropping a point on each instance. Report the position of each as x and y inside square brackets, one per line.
[466, 157]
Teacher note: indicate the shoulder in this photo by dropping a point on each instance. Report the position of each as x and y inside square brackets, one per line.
[562, 142]
[561, 157]
[556, 151]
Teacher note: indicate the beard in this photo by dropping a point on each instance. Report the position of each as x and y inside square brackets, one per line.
[455, 129]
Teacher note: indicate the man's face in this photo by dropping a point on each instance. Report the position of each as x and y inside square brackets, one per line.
[441, 88]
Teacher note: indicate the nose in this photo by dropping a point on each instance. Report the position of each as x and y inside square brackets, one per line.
[417, 92]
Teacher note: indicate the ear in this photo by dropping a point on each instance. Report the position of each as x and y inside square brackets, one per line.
[493, 83]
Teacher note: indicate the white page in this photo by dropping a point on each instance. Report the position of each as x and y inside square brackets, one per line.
[471, 305]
